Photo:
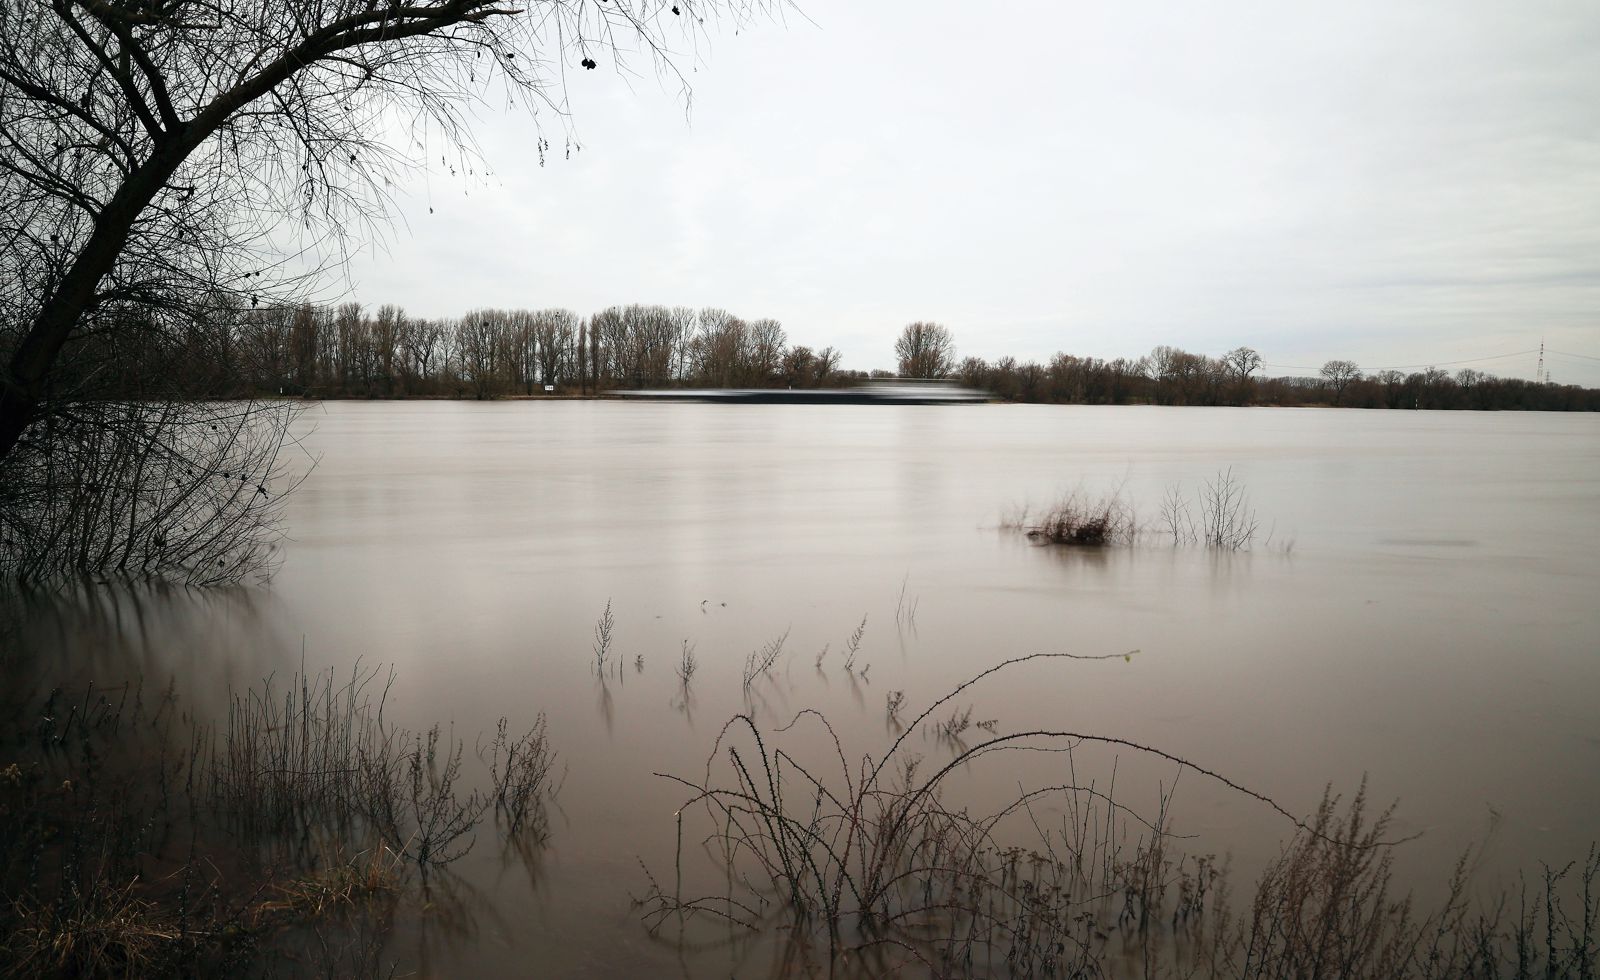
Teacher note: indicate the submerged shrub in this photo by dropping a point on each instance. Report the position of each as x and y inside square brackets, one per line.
[1078, 520]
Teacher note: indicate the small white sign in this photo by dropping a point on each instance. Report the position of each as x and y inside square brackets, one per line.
[549, 388]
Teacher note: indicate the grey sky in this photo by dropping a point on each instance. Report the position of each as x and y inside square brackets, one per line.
[1396, 183]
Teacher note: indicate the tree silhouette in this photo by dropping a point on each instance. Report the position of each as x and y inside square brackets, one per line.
[154, 152]
[925, 350]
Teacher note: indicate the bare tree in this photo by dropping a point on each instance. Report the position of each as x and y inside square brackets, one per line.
[1241, 363]
[267, 336]
[156, 156]
[1393, 385]
[654, 336]
[152, 149]
[594, 356]
[683, 320]
[554, 332]
[1162, 368]
[768, 343]
[385, 335]
[722, 348]
[583, 356]
[305, 344]
[1339, 375]
[925, 350]
[609, 329]
[478, 350]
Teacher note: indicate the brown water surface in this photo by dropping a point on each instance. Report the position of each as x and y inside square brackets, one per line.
[1425, 612]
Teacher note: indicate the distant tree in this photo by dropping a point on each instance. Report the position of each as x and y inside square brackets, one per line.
[1161, 367]
[768, 343]
[305, 341]
[385, 339]
[1339, 375]
[683, 320]
[521, 350]
[1122, 379]
[583, 356]
[1478, 389]
[554, 332]
[608, 332]
[722, 348]
[655, 334]
[974, 372]
[1064, 378]
[805, 368]
[1179, 377]
[1030, 382]
[1214, 376]
[1241, 363]
[595, 348]
[827, 369]
[266, 336]
[925, 350]
[1392, 384]
[1436, 388]
[1003, 379]
[477, 346]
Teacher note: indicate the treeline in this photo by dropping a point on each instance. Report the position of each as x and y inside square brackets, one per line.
[351, 351]
[1171, 376]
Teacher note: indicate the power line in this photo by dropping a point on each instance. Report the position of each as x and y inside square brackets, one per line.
[1562, 353]
[1402, 367]
[1467, 360]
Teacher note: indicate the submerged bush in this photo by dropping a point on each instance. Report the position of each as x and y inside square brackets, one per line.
[1080, 520]
[1227, 521]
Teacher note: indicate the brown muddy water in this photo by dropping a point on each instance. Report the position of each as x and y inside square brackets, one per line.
[1421, 607]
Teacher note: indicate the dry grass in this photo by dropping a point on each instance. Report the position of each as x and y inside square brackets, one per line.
[108, 933]
[343, 885]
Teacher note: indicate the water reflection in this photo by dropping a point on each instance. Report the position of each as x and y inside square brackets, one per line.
[683, 701]
[204, 639]
[472, 546]
[451, 915]
[606, 705]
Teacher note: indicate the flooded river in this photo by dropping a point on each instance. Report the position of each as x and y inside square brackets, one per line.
[1420, 606]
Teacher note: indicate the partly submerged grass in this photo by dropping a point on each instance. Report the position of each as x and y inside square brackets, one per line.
[1078, 519]
[869, 868]
[141, 842]
[1220, 518]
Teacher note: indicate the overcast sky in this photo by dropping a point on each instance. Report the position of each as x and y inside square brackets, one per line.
[1395, 183]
